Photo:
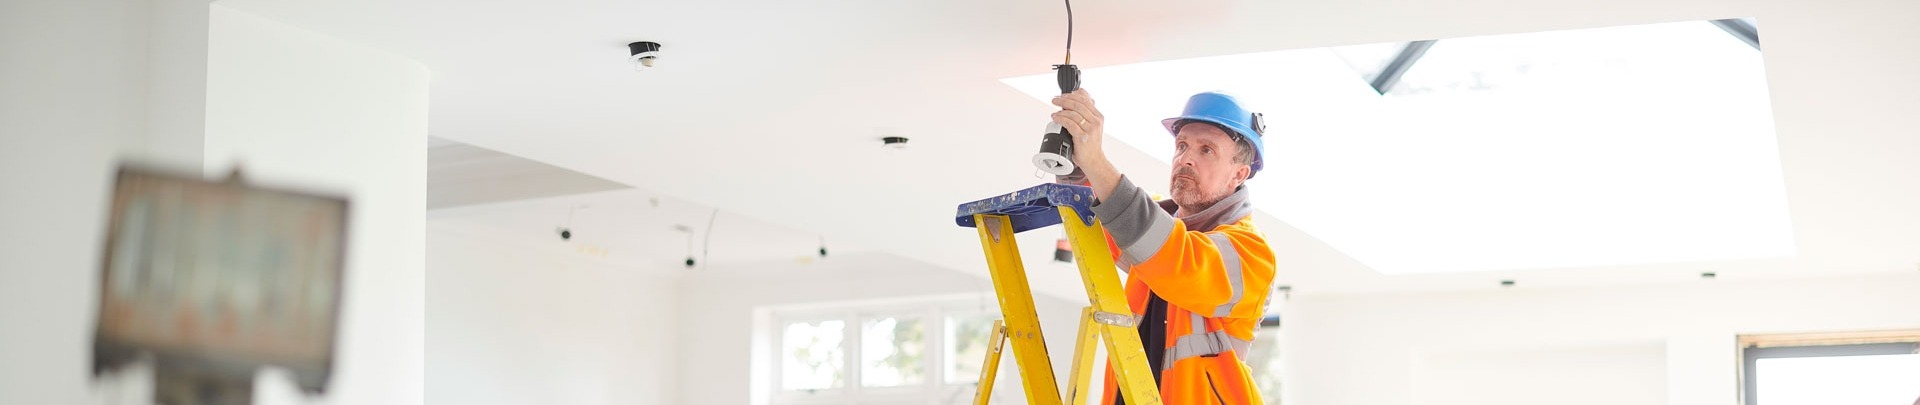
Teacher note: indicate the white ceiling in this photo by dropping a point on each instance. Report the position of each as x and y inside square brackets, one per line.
[641, 230]
[526, 203]
[772, 109]
[459, 174]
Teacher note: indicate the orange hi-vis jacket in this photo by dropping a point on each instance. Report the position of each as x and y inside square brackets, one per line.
[1199, 285]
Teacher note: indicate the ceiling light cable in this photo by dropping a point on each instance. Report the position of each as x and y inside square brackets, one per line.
[1069, 32]
[707, 244]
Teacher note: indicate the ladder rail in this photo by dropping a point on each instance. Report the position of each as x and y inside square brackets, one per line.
[1083, 349]
[1016, 308]
[991, 367]
[1125, 353]
[1107, 322]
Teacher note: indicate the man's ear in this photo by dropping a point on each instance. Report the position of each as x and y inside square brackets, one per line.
[1240, 175]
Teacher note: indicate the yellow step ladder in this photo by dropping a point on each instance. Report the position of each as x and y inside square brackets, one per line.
[1107, 320]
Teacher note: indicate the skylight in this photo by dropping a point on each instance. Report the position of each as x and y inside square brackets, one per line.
[1595, 147]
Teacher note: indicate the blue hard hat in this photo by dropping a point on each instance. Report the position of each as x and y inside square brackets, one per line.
[1225, 111]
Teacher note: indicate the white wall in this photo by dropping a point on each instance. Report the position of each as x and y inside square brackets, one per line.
[298, 108]
[176, 89]
[1598, 375]
[82, 83]
[1396, 349]
[716, 324]
[509, 324]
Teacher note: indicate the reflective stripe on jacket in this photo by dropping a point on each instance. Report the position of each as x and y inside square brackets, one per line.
[1214, 269]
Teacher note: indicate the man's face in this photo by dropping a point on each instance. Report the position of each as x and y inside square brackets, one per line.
[1203, 167]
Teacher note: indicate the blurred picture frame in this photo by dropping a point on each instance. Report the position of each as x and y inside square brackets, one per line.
[217, 279]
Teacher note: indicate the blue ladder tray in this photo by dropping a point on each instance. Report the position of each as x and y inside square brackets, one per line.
[1033, 207]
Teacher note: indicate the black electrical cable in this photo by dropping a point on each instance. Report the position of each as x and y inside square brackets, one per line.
[707, 244]
[1069, 32]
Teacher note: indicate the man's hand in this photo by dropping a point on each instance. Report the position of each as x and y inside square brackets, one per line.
[1081, 119]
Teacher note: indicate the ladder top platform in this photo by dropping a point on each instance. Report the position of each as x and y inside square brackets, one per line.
[1033, 207]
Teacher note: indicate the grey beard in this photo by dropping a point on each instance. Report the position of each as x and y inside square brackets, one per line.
[1201, 205]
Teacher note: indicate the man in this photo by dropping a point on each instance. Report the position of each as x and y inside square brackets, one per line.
[1199, 273]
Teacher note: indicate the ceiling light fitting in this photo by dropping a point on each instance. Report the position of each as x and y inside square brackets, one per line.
[1056, 146]
[566, 231]
[643, 53]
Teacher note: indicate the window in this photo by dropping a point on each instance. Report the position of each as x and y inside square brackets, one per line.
[966, 346]
[893, 351]
[1837, 368]
[919, 352]
[814, 354]
[1264, 360]
[1558, 112]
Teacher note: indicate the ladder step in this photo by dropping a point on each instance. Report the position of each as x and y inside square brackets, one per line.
[1033, 207]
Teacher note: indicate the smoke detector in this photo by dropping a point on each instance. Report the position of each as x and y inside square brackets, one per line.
[643, 53]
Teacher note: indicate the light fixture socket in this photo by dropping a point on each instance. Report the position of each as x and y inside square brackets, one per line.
[643, 53]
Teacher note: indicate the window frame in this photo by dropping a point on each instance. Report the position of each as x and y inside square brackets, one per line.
[779, 358]
[992, 313]
[933, 312]
[927, 316]
[1753, 348]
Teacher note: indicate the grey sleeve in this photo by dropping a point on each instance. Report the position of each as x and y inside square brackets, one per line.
[1138, 225]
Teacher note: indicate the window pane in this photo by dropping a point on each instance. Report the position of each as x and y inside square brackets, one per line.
[893, 352]
[1883, 379]
[813, 356]
[1367, 60]
[966, 346]
[1265, 360]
